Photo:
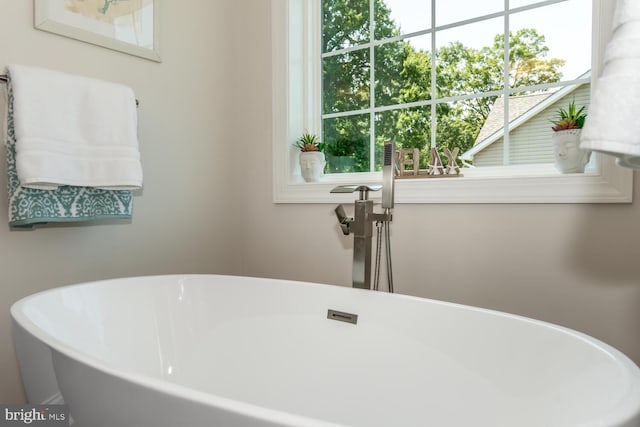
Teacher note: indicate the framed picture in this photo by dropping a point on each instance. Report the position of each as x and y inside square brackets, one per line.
[129, 26]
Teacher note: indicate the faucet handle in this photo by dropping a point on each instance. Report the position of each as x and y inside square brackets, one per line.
[343, 219]
[345, 228]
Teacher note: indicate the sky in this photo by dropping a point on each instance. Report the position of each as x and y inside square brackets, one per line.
[566, 26]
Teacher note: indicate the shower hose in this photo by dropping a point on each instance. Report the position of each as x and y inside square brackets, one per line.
[387, 233]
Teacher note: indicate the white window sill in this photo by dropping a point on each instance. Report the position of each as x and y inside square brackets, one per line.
[529, 184]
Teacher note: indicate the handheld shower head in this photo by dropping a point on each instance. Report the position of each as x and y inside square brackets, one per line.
[388, 174]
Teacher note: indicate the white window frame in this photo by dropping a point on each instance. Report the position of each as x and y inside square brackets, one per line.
[296, 86]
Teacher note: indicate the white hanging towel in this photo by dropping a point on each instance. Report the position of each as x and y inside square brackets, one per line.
[613, 126]
[73, 130]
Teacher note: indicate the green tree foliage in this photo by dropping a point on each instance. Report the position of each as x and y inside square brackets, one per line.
[403, 74]
[528, 64]
[346, 78]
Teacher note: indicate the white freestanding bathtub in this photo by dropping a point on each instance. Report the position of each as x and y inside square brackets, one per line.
[234, 351]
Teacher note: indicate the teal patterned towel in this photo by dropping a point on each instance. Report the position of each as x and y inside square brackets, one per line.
[28, 207]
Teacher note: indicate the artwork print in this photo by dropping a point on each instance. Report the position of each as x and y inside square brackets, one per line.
[129, 26]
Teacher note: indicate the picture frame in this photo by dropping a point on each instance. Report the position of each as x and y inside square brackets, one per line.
[129, 26]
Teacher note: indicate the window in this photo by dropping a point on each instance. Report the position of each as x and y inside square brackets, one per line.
[359, 73]
[378, 83]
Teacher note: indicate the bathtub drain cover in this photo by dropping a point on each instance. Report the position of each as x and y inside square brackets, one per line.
[342, 316]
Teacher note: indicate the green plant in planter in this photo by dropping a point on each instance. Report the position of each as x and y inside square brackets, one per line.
[309, 142]
[571, 118]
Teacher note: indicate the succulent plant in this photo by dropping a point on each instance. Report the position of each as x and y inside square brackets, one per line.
[309, 142]
[571, 118]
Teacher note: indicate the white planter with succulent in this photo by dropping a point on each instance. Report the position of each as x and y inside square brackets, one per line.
[570, 158]
[312, 160]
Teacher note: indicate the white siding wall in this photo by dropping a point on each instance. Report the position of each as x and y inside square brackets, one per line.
[491, 156]
[530, 143]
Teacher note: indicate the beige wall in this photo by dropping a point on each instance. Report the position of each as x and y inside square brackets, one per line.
[570, 264]
[180, 221]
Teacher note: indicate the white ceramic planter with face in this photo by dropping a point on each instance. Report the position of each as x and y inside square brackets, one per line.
[570, 158]
[312, 165]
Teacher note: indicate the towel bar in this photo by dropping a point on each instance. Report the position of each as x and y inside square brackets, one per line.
[5, 79]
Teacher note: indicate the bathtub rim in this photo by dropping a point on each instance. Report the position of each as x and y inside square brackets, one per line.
[622, 413]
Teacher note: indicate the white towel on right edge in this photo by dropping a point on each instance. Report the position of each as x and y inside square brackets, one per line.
[613, 126]
[73, 130]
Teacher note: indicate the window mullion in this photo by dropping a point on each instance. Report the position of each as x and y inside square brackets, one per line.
[372, 82]
[505, 139]
[500, 92]
[433, 76]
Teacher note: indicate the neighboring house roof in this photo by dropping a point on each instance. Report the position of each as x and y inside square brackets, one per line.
[518, 105]
[521, 109]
